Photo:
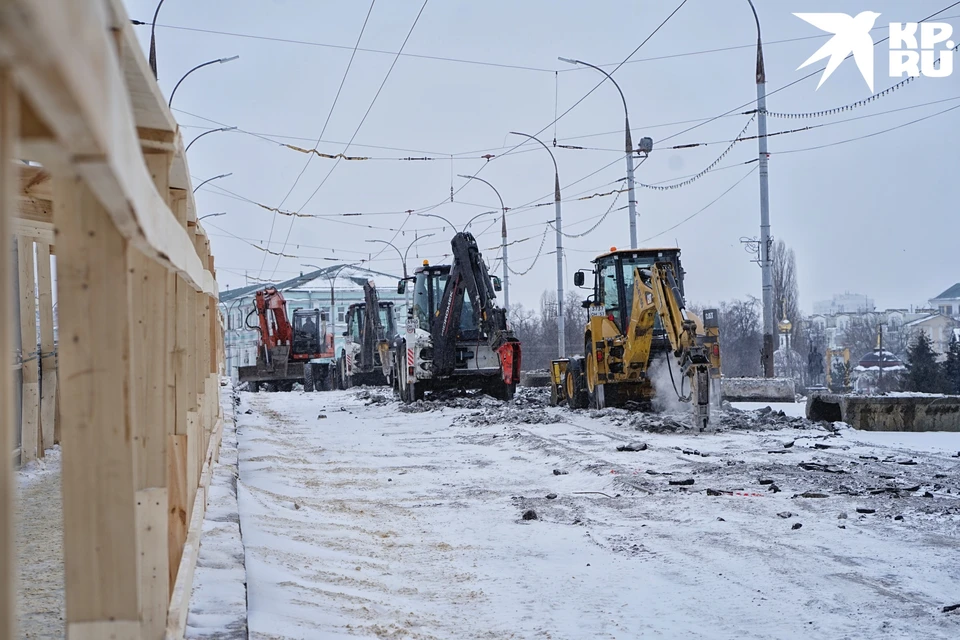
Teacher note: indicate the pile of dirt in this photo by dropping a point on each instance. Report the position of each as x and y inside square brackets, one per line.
[508, 413]
[375, 397]
[727, 419]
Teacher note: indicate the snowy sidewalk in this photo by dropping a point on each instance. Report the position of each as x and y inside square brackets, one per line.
[363, 521]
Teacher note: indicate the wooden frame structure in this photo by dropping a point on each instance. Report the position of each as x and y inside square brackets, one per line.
[140, 343]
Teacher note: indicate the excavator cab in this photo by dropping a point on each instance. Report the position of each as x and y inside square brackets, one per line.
[307, 334]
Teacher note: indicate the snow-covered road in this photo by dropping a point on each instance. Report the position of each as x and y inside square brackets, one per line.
[360, 520]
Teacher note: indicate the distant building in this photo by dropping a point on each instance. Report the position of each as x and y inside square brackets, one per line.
[844, 303]
[948, 302]
[937, 327]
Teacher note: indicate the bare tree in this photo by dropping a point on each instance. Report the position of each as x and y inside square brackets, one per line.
[740, 338]
[786, 292]
[860, 336]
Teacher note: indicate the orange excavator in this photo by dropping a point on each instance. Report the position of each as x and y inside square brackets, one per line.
[286, 350]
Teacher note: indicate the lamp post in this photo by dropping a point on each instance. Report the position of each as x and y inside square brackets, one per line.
[199, 66]
[469, 222]
[222, 175]
[628, 143]
[333, 309]
[153, 40]
[212, 215]
[208, 133]
[503, 241]
[403, 259]
[765, 262]
[561, 339]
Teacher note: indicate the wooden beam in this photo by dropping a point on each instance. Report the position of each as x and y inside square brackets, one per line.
[9, 126]
[77, 88]
[41, 231]
[98, 476]
[30, 444]
[178, 505]
[48, 359]
[153, 561]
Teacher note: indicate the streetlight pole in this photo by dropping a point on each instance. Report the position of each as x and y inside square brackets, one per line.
[333, 308]
[503, 241]
[208, 133]
[628, 143]
[469, 222]
[561, 338]
[766, 266]
[153, 40]
[223, 175]
[403, 260]
[199, 66]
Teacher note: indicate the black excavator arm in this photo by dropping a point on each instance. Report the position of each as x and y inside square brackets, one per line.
[469, 278]
[373, 333]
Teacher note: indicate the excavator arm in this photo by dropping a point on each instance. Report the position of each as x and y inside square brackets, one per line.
[656, 293]
[470, 279]
[374, 336]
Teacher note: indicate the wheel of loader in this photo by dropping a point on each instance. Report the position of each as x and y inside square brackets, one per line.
[414, 392]
[309, 382]
[575, 384]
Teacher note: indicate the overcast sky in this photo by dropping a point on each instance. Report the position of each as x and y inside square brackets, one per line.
[876, 216]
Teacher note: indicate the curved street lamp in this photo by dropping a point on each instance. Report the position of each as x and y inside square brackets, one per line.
[503, 240]
[223, 175]
[765, 263]
[632, 201]
[199, 66]
[403, 258]
[206, 133]
[469, 222]
[561, 346]
[153, 41]
[212, 215]
[333, 308]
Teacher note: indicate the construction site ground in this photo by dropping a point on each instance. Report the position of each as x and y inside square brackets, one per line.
[363, 517]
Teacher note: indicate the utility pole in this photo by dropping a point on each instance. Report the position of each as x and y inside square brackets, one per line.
[766, 265]
[561, 338]
[628, 143]
[880, 363]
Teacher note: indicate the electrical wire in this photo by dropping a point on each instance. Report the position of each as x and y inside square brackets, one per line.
[362, 120]
[333, 106]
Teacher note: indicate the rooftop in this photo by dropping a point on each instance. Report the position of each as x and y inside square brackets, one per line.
[953, 293]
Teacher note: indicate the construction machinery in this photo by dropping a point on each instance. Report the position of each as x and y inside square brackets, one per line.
[456, 337]
[285, 350]
[365, 358]
[637, 316]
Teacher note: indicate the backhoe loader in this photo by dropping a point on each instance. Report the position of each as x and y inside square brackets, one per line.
[365, 358]
[636, 316]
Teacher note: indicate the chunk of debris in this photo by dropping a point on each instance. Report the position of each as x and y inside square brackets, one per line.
[869, 458]
[682, 483]
[720, 520]
[633, 446]
[820, 445]
[811, 494]
[864, 510]
[952, 607]
[927, 494]
[907, 462]
[898, 517]
[765, 481]
[530, 514]
[773, 488]
[557, 472]
[787, 445]
[816, 466]
[248, 411]
[691, 452]
[322, 416]
[796, 525]
[786, 514]
[714, 492]
[551, 496]
[842, 516]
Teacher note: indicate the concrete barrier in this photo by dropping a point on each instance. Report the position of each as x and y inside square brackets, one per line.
[535, 379]
[887, 413]
[758, 390]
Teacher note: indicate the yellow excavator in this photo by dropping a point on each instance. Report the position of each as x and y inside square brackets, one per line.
[637, 315]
